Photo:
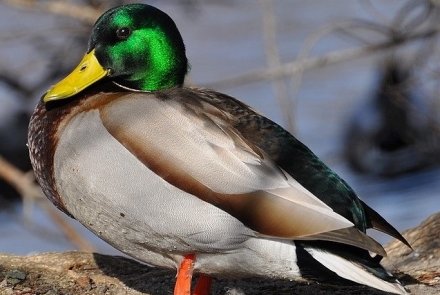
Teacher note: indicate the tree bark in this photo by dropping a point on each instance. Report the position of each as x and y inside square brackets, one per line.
[91, 273]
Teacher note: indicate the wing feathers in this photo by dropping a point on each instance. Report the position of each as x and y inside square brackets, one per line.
[354, 271]
[270, 215]
[350, 236]
[200, 153]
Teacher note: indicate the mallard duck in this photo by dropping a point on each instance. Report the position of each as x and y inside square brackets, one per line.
[393, 132]
[192, 179]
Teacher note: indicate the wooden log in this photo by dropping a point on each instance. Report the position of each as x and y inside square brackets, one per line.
[91, 273]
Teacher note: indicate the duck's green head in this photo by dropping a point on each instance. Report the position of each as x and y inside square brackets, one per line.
[137, 46]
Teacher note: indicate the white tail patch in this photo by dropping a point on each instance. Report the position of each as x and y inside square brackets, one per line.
[353, 272]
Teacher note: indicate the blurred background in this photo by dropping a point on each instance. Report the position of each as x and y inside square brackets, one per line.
[356, 81]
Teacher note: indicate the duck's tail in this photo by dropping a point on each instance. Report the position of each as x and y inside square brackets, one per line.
[338, 264]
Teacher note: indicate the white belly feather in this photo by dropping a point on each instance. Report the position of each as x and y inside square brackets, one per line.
[119, 199]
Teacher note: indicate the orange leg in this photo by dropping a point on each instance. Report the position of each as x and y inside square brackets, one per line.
[184, 275]
[203, 286]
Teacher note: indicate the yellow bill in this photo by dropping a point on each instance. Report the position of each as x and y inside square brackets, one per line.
[85, 74]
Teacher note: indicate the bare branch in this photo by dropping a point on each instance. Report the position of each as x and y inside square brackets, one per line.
[314, 62]
[14, 84]
[84, 13]
[274, 61]
[25, 184]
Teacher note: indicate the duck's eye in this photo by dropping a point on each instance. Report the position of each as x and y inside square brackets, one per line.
[123, 33]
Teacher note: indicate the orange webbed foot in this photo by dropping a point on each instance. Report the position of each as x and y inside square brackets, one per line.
[184, 276]
[203, 286]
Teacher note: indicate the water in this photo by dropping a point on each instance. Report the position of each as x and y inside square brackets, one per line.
[224, 40]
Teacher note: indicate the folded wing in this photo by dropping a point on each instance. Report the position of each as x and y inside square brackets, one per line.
[199, 152]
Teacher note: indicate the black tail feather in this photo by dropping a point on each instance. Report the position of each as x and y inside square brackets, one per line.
[374, 220]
